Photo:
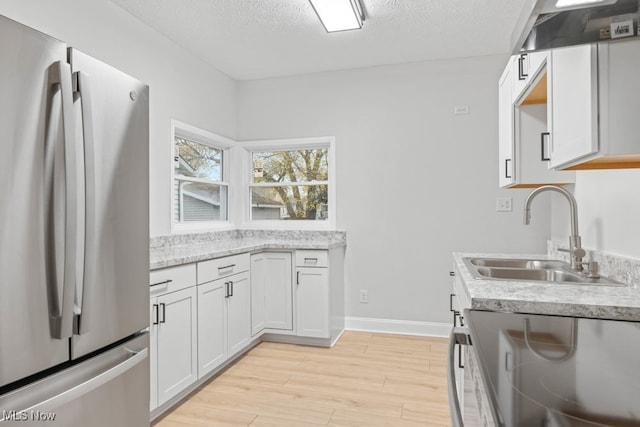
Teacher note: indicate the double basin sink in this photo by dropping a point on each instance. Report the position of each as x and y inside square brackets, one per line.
[531, 270]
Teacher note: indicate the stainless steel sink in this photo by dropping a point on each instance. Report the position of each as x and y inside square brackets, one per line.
[531, 270]
[544, 275]
[517, 263]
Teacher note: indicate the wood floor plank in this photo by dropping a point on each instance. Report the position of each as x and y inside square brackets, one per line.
[430, 413]
[349, 418]
[265, 421]
[259, 404]
[372, 403]
[194, 414]
[366, 379]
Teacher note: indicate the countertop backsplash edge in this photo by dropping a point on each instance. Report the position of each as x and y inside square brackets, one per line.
[616, 267]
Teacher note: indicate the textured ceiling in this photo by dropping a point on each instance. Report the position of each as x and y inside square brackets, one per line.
[253, 39]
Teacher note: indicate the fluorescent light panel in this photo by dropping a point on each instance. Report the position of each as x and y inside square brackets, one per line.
[571, 3]
[338, 15]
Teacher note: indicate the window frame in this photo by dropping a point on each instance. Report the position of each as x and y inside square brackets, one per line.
[201, 136]
[250, 147]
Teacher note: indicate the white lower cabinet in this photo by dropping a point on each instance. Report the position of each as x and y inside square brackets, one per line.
[312, 302]
[271, 292]
[203, 314]
[238, 313]
[223, 320]
[459, 302]
[173, 344]
[212, 326]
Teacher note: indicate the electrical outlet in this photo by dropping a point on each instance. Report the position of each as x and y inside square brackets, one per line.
[460, 110]
[364, 296]
[503, 204]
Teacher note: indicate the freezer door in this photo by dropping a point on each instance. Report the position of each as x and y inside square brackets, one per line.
[111, 389]
[33, 89]
[112, 299]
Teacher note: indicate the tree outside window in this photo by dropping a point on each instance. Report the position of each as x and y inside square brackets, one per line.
[290, 185]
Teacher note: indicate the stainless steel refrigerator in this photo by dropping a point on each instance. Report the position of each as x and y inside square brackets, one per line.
[74, 237]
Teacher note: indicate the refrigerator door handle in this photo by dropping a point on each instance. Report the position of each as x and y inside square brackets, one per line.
[61, 177]
[86, 224]
[73, 393]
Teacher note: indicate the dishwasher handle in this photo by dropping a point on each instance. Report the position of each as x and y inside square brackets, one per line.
[457, 336]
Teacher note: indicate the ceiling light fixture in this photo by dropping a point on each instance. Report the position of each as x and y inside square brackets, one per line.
[577, 3]
[339, 15]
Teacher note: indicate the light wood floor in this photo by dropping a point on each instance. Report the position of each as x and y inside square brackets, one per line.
[365, 380]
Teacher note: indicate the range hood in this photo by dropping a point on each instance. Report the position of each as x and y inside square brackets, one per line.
[547, 24]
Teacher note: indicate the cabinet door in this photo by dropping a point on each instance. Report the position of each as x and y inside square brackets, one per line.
[278, 292]
[574, 94]
[212, 326]
[176, 342]
[153, 346]
[505, 129]
[619, 86]
[271, 293]
[238, 313]
[312, 298]
[258, 284]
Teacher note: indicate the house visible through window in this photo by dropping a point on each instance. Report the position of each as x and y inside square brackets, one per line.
[290, 184]
[201, 193]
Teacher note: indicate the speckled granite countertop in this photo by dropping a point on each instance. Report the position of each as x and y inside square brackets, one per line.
[596, 301]
[168, 251]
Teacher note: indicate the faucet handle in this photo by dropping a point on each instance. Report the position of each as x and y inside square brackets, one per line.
[577, 252]
[592, 269]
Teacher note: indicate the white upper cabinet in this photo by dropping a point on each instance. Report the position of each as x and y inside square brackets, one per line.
[574, 90]
[524, 122]
[525, 68]
[505, 128]
[595, 96]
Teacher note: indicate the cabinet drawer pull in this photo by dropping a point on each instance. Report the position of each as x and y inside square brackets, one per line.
[506, 168]
[166, 282]
[155, 314]
[456, 315]
[297, 277]
[460, 365]
[231, 287]
[225, 267]
[314, 260]
[521, 74]
[451, 302]
[164, 312]
[542, 156]
[226, 290]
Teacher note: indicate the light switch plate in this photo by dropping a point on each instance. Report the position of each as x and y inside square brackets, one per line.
[503, 204]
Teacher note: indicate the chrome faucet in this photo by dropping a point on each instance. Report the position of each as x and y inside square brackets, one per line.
[575, 244]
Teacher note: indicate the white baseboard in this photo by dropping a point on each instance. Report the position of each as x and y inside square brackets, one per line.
[402, 327]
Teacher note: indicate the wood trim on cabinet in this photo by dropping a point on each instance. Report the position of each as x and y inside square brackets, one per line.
[624, 161]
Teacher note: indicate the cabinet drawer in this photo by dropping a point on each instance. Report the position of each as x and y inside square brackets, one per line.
[222, 267]
[172, 279]
[309, 258]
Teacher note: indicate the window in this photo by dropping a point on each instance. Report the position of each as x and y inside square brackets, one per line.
[200, 194]
[291, 183]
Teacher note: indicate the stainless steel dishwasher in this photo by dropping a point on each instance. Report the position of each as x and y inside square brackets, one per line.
[552, 370]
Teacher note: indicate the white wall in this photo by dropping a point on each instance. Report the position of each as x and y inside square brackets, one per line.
[180, 85]
[608, 211]
[415, 182]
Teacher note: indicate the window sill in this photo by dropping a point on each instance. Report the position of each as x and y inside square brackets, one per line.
[201, 227]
